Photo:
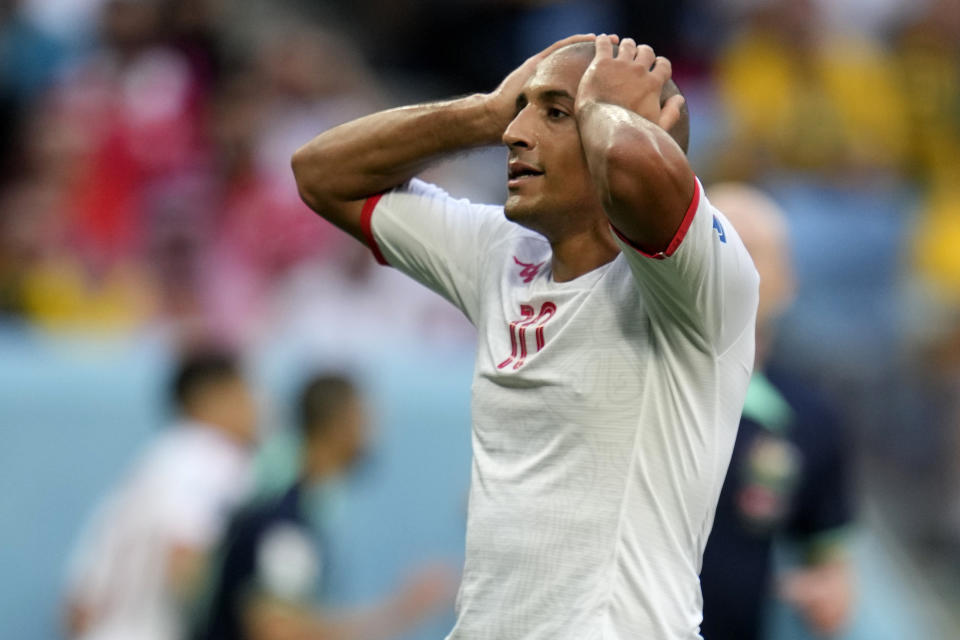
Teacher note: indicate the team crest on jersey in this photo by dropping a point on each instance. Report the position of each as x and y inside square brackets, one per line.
[769, 479]
[529, 270]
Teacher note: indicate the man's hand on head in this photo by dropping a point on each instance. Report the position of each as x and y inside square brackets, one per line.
[633, 79]
[502, 101]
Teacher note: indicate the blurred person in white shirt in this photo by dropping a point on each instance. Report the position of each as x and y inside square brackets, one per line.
[140, 557]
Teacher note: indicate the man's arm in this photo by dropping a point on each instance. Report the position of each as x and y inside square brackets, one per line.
[642, 175]
[340, 168]
[424, 594]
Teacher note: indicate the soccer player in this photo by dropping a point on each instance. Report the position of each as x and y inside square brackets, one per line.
[615, 309]
[271, 567]
[143, 553]
[789, 473]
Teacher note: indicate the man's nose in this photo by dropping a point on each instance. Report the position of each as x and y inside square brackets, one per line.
[518, 133]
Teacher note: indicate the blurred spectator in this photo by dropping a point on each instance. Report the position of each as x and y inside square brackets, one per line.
[796, 96]
[271, 570]
[48, 277]
[259, 117]
[29, 56]
[142, 554]
[140, 109]
[928, 49]
[789, 473]
[193, 27]
[70, 21]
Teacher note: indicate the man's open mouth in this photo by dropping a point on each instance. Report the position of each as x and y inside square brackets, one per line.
[520, 171]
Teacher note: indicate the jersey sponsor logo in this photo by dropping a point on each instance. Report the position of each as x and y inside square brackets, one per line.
[518, 332]
[529, 270]
[720, 232]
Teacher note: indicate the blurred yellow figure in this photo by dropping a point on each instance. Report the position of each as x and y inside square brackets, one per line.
[929, 67]
[936, 246]
[60, 294]
[799, 98]
[929, 62]
[54, 287]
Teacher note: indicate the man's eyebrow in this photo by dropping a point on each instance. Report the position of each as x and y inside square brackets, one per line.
[543, 95]
[554, 94]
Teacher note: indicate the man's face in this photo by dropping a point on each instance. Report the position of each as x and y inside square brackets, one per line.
[549, 186]
[347, 437]
[230, 404]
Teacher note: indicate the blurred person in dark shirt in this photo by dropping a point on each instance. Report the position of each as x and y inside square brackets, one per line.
[274, 561]
[788, 477]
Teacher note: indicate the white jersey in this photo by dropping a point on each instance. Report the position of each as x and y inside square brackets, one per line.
[180, 494]
[604, 414]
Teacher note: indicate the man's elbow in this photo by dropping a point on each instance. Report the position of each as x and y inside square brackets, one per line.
[303, 162]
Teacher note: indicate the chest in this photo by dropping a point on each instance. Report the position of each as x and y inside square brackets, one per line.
[577, 351]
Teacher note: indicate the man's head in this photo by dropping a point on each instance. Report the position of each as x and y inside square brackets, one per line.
[334, 424]
[550, 188]
[209, 387]
[762, 226]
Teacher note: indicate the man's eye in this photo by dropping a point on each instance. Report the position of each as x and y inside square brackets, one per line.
[555, 114]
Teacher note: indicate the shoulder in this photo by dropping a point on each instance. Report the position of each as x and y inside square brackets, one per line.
[425, 196]
[197, 463]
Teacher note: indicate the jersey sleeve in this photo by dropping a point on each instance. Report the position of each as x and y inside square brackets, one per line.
[195, 504]
[434, 238]
[704, 282]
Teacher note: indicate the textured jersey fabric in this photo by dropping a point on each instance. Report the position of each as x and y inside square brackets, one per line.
[604, 415]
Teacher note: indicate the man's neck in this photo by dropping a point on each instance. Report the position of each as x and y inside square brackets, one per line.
[582, 252]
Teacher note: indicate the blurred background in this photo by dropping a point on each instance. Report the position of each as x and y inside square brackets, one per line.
[146, 202]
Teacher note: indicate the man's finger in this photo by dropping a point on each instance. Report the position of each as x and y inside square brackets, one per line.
[604, 47]
[670, 112]
[628, 49]
[662, 69]
[645, 55]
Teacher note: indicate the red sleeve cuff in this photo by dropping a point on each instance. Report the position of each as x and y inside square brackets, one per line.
[366, 216]
[677, 237]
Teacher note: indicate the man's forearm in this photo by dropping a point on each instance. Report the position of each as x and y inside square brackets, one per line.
[637, 168]
[340, 168]
[378, 152]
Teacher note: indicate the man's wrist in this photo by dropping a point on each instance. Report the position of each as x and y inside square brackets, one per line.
[495, 115]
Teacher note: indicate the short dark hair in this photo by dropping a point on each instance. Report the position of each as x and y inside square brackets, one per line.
[323, 397]
[680, 132]
[199, 369]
